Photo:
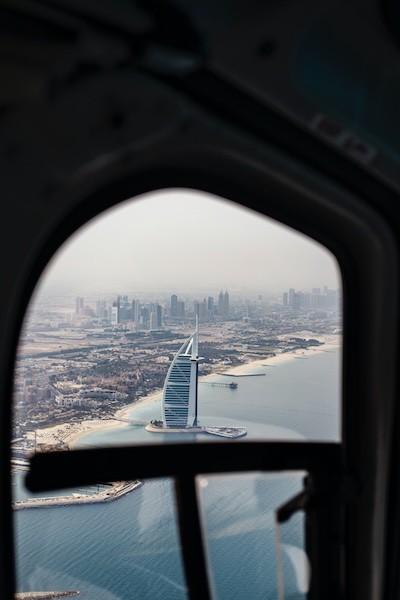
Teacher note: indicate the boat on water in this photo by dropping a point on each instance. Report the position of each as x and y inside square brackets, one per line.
[228, 432]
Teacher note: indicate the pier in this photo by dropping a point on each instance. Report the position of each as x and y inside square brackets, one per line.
[233, 385]
[130, 421]
[242, 375]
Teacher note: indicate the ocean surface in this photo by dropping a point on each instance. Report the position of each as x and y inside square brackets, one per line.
[129, 548]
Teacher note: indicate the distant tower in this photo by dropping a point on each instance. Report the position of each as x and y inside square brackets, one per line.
[181, 308]
[226, 304]
[179, 402]
[153, 320]
[291, 297]
[210, 308]
[79, 306]
[159, 316]
[174, 305]
[136, 311]
[115, 316]
[221, 304]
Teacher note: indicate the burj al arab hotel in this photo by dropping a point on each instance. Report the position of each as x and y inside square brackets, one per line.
[180, 394]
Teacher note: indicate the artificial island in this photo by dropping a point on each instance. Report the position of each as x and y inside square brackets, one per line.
[180, 396]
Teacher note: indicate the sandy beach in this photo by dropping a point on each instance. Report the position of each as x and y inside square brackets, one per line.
[332, 343]
[70, 434]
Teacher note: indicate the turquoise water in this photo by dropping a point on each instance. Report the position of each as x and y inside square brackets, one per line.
[129, 548]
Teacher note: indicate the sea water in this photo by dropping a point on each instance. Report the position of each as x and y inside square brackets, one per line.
[130, 549]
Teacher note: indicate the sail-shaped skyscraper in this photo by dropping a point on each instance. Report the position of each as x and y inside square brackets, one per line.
[179, 403]
[180, 396]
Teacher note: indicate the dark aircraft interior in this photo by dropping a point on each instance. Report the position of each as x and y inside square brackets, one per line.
[290, 108]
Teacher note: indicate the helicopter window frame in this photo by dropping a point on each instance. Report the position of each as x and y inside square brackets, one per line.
[323, 214]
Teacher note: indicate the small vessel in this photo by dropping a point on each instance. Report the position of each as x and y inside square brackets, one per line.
[228, 432]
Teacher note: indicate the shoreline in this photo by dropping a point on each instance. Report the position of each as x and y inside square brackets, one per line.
[333, 342]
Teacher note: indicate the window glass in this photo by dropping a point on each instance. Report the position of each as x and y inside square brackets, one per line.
[250, 555]
[119, 548]
[174, 317]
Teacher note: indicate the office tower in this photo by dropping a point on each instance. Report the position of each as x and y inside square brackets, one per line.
[101, 309]
[291, 297]
[79, 306]
[145, 316]
[153, 320]
[158, 316]
[221, 304]
[203, 309]
[200, 309]
[210, 308]
[114, 313]
[122, 312]
[179, 402]
[174, 305]
[226, 304]
[296, 301]
[285, 299]
[125, 311]
[305, 299]
[136, 311]
[181, 308]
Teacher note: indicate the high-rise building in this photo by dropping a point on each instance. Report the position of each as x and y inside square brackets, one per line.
[285, 299]
[101, 309]
[145, 316]
[221, 304]
[179, 403]
[158, 316]
[115, 314]
[210, 308]
[79, 306]
[296, 301]
[181, 308]
[174, 305]
[153, 320]
[226, 303]
[135, 311]
[200, 309]
[291, 297]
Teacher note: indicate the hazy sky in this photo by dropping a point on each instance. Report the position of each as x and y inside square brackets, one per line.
[187, 240]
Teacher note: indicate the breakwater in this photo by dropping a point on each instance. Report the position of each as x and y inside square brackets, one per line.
[116, 491]
[44, 595]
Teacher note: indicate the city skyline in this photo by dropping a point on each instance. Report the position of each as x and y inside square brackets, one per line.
[174, 240]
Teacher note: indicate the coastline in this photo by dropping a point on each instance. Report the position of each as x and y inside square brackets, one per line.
[331, 343]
